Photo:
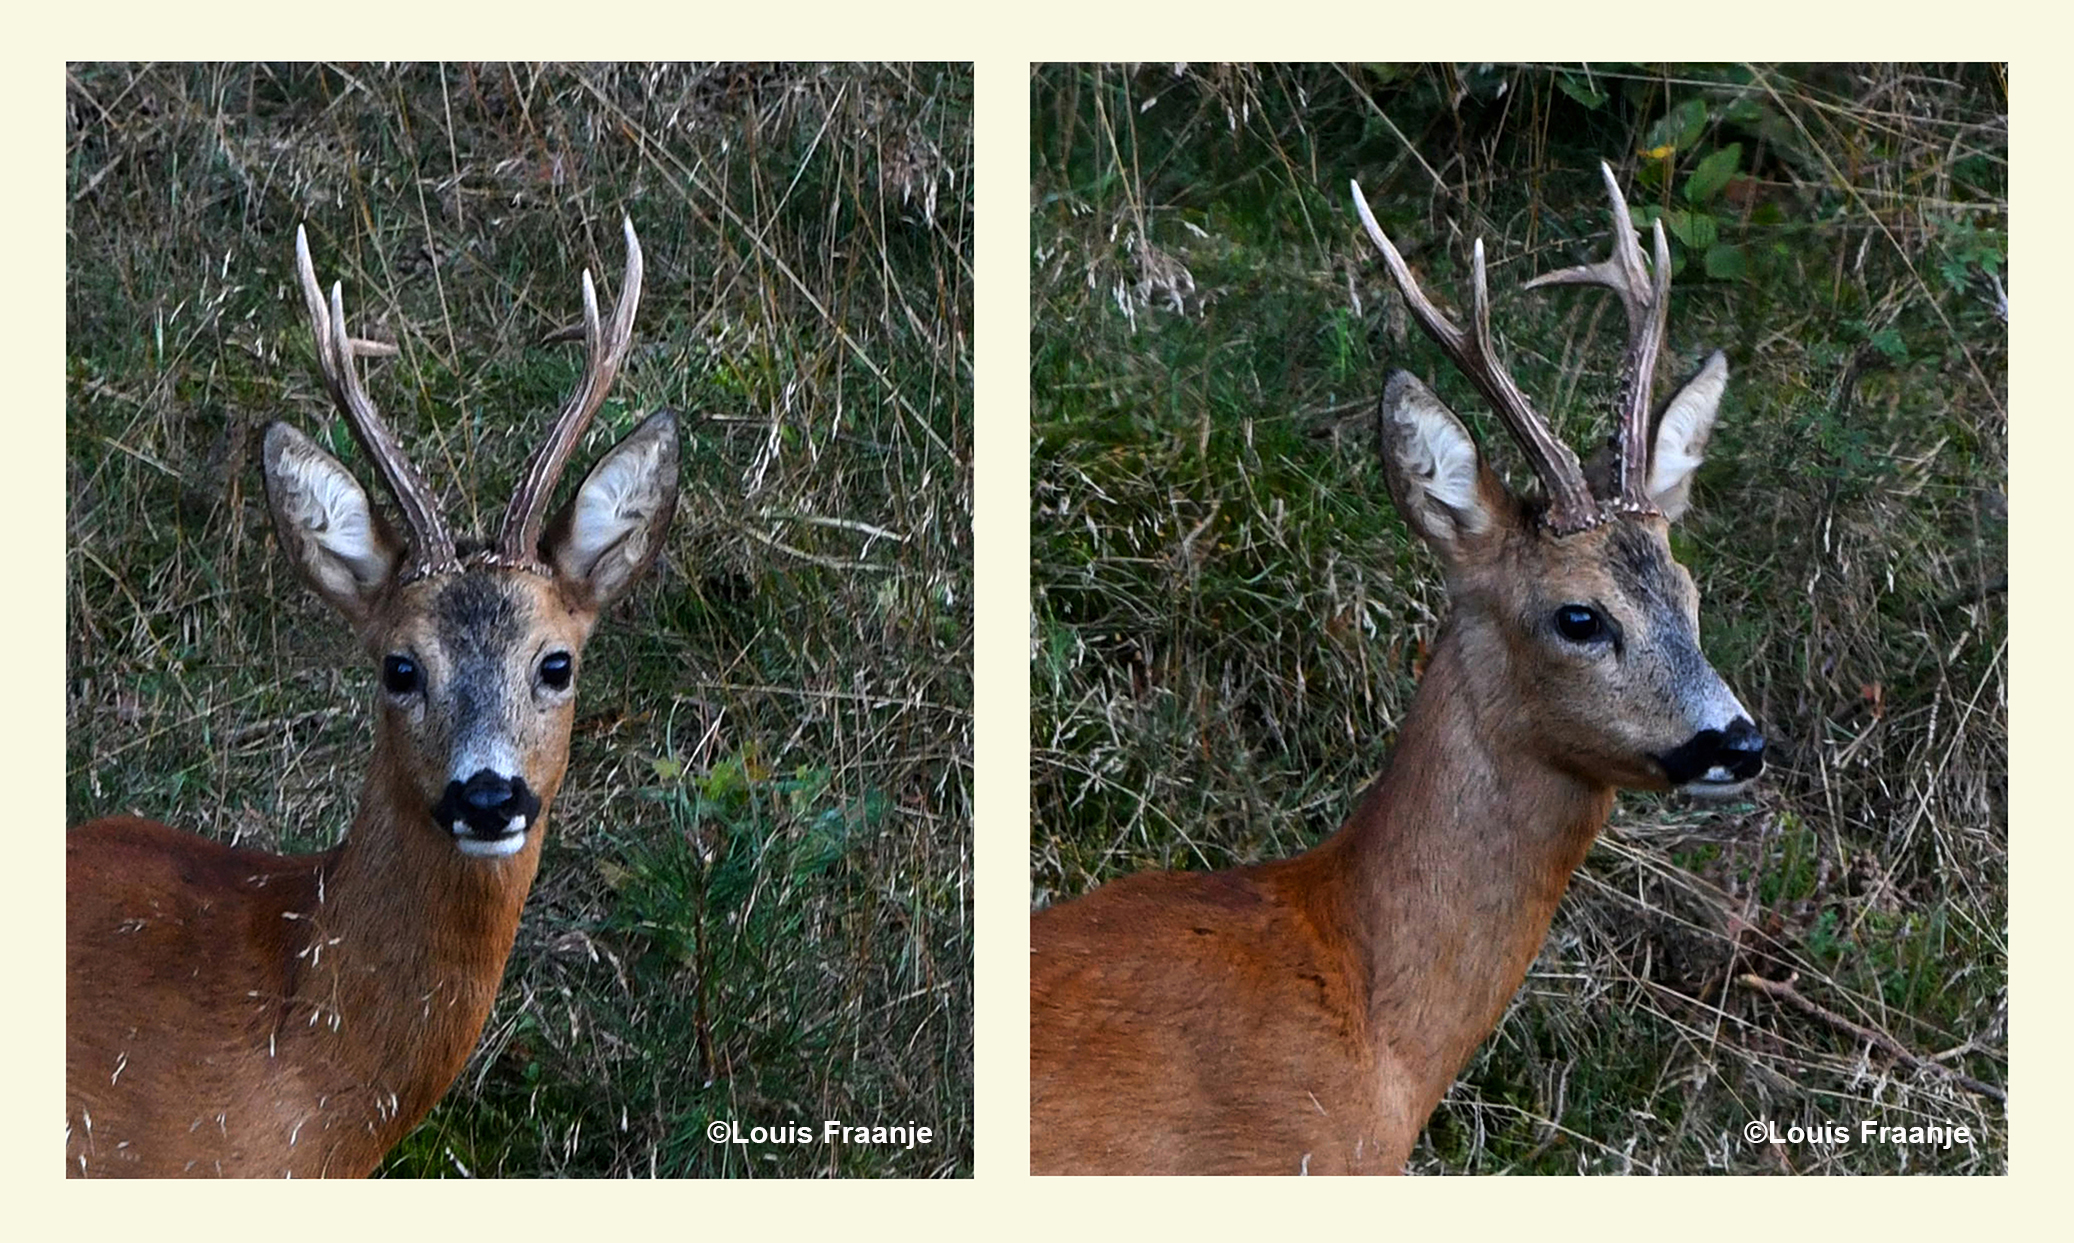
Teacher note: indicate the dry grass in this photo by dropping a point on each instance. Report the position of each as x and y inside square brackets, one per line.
[755, 902]
[1228, 613]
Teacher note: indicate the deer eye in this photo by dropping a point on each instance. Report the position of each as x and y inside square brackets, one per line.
[400, 675]
[557, 669]
[1579, 624]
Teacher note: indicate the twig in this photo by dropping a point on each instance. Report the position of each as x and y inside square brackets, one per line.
[833, 563]
[841, 524]
[1878, 1039]
[111, 165]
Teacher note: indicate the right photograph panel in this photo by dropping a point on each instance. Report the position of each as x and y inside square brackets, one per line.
[1519, 619]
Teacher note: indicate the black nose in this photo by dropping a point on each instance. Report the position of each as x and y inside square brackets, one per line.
[1737, 751]
[490, 805]
[486, 790]
[1743, 749]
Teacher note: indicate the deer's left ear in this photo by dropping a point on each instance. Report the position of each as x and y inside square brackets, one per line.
[613, 527]
[1681, 437]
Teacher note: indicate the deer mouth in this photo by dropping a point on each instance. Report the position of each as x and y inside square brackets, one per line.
[1717, 784]
[478, 845]
[488, 814]
[1716, 763]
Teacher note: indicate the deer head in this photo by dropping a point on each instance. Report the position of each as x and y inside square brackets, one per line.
[1581, 629]
[479, 646]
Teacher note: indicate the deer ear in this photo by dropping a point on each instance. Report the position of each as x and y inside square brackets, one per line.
[613, 527]
[1681, 437]
[342, 548]
[1436, 475]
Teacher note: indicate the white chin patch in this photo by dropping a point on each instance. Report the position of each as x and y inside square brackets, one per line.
[1718, 783]
[511, 842]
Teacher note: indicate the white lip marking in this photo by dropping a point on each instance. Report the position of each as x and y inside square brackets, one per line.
[491, 847]
[1719, 783]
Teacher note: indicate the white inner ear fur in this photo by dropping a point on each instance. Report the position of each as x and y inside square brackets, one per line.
[331, 510]
[612, 508]
[1435, 453]
[1681, 439]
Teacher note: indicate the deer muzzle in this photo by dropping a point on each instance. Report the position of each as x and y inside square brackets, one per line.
[1716, 761]
[488, 814]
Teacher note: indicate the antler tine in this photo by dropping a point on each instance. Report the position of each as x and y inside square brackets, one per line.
[335, 353]
[1570, 505]
[1645, 294]
[605, 348]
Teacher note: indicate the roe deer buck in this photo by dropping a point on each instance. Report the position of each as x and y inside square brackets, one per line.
[231, 1012]
[1307, 1014]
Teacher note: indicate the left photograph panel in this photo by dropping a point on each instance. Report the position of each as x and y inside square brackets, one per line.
[518, 590]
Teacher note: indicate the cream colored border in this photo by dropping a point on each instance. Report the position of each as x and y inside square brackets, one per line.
[1001, 657]
[1002, 1201]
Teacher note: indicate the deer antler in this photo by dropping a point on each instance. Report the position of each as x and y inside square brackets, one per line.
[605, 349]
[1570, 504]
[335, 352]
[1645, 294]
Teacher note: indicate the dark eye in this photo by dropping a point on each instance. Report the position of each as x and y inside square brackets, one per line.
[557, 669]
[1579, 624]
[400, 675]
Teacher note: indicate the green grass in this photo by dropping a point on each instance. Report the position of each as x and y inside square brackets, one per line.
[755, 901]
[1228, 612]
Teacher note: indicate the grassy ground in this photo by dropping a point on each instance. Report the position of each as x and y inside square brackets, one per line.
[755, 901]
[1228, 612]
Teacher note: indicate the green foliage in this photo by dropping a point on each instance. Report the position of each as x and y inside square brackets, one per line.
[1581, 88]
[1712, 174]
[1965, 248]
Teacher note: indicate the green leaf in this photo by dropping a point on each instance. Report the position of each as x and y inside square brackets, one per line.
[1726, 262]
[1692, 118]
[1386, 72]
[1680, 127]
[1581, 90]
[1712, 174]
[1744, 111]
[1696, 230]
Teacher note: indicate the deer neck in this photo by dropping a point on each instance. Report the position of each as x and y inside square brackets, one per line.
[406, 946]
[1447, 875]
